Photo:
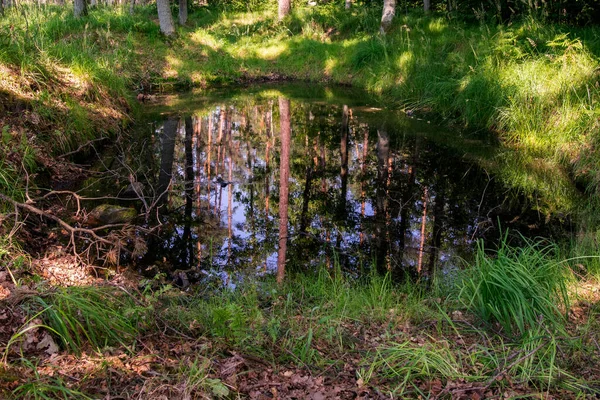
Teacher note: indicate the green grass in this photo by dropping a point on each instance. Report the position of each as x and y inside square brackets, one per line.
[520, 288]
[84, 316]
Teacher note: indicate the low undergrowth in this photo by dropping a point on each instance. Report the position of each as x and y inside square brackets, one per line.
[462, 337]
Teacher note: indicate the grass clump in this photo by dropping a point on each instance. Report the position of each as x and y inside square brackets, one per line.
[518, 288]
[94, 316]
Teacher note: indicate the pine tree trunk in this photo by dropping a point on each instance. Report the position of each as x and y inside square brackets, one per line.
[284, 8]
[389, 11]
[165, 19]
[80, 8]
[183, 12]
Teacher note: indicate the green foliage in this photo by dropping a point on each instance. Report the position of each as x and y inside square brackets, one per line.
[89, 315]
[519, 288]
[406, 364]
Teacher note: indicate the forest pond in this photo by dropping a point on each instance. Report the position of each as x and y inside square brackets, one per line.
[367, 187]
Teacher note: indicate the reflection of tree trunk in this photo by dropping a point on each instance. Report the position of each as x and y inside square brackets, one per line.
[230, 206]
[198, 188]
[167, 153]
[406, 199]
[344, 160]
[208, 154]
[267, 159]
[284, 174]
[436, 234]
[423, 226]
[306, 199]
[187, 256]
[363, 194]
[383, 152]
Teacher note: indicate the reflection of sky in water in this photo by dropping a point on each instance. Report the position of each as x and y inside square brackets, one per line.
[420, 202]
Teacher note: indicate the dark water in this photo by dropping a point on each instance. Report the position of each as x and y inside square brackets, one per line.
[367, 187]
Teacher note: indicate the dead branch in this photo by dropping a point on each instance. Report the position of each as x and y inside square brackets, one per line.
[77, 150]
[71, 229]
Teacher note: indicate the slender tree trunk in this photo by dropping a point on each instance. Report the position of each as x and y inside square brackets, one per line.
[348, 4]
[284, 176]
[389, 11]
[131, 6]
[284, 8]
[165, 19]
[183, 12]
[1, 8]
[80, 8]
[426, 5]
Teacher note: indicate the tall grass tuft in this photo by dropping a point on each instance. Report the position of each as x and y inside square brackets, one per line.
[519, 288]
[89, 315]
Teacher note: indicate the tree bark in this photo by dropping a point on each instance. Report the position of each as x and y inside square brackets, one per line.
[165, 19]
[80, 8]
[389, 11]
[426, 5]
[284, 176]
[183, 12]
[284, 8]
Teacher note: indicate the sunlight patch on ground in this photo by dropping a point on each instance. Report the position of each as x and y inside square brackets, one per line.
[204, 38]
[271, 52]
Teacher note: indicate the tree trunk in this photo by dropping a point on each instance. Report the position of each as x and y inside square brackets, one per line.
[80, 8]
[183, 12]
[348, 4]
[1, 8]
[284, 176]
[284, 8]
[426, 5]
[167, 27]
[389, 11]
[131, 6]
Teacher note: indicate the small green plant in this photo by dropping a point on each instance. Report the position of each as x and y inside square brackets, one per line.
[519, 288]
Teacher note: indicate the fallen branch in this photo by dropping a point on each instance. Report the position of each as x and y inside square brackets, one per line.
[71, 229]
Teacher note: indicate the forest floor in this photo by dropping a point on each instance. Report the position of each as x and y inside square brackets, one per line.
[66, 333]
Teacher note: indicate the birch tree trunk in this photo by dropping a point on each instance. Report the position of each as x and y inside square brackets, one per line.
[165, 19]
[183, 12]
[284, 8]
[80, 8]
[389, 11]
[284, 185]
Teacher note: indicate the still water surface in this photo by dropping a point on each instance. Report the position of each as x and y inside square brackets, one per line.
[367, 186]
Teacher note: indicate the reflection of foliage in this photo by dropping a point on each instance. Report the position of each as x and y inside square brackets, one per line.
[380, 217]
